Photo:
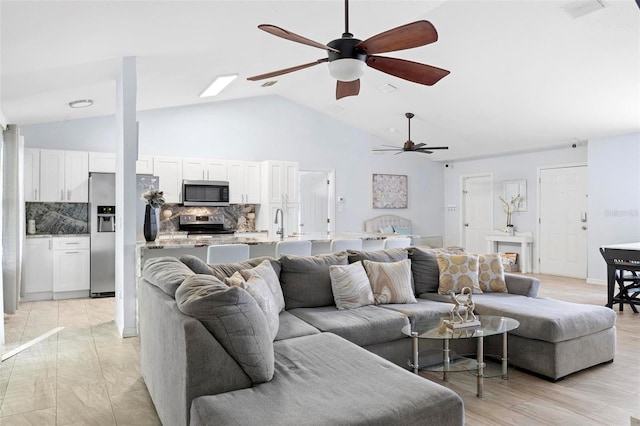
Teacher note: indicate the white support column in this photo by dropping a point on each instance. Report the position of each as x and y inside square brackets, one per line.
[126, 198]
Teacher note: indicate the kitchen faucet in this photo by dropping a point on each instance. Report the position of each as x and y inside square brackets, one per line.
[280, 230]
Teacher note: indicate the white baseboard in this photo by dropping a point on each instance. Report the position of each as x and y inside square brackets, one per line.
[596, 281]
[130, 332]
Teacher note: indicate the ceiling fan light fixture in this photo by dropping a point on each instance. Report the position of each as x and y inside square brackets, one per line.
[81, 103]
[346, 69]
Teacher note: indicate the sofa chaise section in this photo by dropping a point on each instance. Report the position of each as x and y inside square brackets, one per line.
[323, 379]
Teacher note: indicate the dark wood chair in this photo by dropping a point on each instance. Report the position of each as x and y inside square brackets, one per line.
[623, 269]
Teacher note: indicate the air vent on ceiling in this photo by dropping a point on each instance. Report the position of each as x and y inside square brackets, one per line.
[269, 83]
[579, 8]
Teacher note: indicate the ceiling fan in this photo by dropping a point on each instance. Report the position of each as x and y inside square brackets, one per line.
[347, 56]
[409, 146]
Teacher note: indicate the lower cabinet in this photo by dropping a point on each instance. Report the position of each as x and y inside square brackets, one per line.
[55, 268]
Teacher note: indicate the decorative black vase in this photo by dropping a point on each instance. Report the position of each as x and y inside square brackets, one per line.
[150, 225]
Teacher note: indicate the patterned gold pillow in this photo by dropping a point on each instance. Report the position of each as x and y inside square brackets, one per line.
[390, 281]
[458, 271]
[491, 273]
[350, 286]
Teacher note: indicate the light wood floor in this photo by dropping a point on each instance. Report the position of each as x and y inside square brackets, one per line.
[607, 394]
[88, 375]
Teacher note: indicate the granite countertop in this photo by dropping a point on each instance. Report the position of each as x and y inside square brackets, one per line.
[203, 241]
[55, 235]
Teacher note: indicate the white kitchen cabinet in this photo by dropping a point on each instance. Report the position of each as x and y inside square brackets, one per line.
[31, 174]
[216, 170]
[169, 171]
[71, 263]
[37, 267]
[244, 182]
[64, 176]
[102, 162]
[280, 181]
[144, 165]
[204, 169]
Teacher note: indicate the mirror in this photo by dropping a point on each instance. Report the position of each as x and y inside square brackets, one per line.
[511, 189]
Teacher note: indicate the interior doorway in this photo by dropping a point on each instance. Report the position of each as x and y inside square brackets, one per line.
[563, 221]
[316, 187]
[477, 212]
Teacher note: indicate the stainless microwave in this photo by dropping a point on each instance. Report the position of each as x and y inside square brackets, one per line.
[205, 193]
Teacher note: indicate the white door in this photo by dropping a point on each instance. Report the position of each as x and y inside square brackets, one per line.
[314, 201]
[563, 226]
[478, 212]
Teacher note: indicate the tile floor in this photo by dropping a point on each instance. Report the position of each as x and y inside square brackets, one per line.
[84, 375]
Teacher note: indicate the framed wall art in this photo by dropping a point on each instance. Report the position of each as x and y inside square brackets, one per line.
[390, 191]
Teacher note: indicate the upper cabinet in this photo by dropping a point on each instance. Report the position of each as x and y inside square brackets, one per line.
[31, 174]
[64, 176]
[280, 181]
[169, 172]
[244, 182]
[105, 162]
[204, 169]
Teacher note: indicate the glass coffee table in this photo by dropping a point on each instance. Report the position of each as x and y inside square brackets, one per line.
[437, 330]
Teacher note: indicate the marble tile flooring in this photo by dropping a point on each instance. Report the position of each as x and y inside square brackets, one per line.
[84, 375]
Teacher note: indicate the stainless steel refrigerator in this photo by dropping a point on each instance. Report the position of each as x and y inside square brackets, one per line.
[102, 225]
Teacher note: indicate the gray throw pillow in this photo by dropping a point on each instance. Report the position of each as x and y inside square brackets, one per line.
[265, 271]
[166, 273]
[196, 264]
[305, 280]
[234, 318]
[386, 255]
[225, 270]
[425, 270]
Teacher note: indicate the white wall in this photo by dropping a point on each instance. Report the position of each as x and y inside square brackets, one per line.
[614, 197]
[270, 128]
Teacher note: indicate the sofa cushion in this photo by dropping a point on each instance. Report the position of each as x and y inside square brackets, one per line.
[424, 268]
[223, 270]
[367, 325]
[350, 286]
[390, 281]
[491, 273]
[422, 310]
[325, 380]
[258, 288]
[233, 317]
[386, 255]
[291, 326]
[458, 271]
[305, 280]
[266, 272]
[196, 264]
[166, 273]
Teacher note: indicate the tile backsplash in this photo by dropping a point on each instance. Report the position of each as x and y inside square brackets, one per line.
[236, 216]
[58, 218]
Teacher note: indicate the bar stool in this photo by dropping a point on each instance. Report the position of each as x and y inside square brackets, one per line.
[299, 248]
[227, 253]
[345, 244]
[397, 242]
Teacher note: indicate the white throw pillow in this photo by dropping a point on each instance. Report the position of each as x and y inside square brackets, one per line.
[350, 285]
[390, 281]
[258, 288]
[266, 272]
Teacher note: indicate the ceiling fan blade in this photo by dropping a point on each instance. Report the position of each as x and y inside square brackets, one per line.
[407, 70]
[347, 88]
[435, 147]
[286, 70]
[420, 145]
[425, 152]
[288, 35]
[405, 37]
[394, 149]
[392, 146]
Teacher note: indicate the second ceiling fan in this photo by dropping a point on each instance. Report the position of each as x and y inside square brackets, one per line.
[347, 56]
[409, 145]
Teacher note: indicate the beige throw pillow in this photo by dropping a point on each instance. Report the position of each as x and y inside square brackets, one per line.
[458, 271]
[267, 273]
[390, 281]
[491, 273]
[350, 286]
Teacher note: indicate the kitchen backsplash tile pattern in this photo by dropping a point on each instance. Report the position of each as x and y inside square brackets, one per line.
[240, 217]
[58, 218]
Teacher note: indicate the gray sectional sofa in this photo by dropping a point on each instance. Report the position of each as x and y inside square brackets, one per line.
[208, 358]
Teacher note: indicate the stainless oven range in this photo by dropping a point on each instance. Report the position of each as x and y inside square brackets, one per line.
[208, 224]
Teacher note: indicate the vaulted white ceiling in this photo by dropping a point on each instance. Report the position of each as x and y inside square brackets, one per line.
[525, 75]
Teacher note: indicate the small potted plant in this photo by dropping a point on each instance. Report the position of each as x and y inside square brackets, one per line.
[510, 207]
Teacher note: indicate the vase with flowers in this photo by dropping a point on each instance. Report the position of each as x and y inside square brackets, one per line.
[154, 199]
[510, 207]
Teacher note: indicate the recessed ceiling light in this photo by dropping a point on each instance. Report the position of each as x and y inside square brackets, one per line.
[218, 84]
[81, 103]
